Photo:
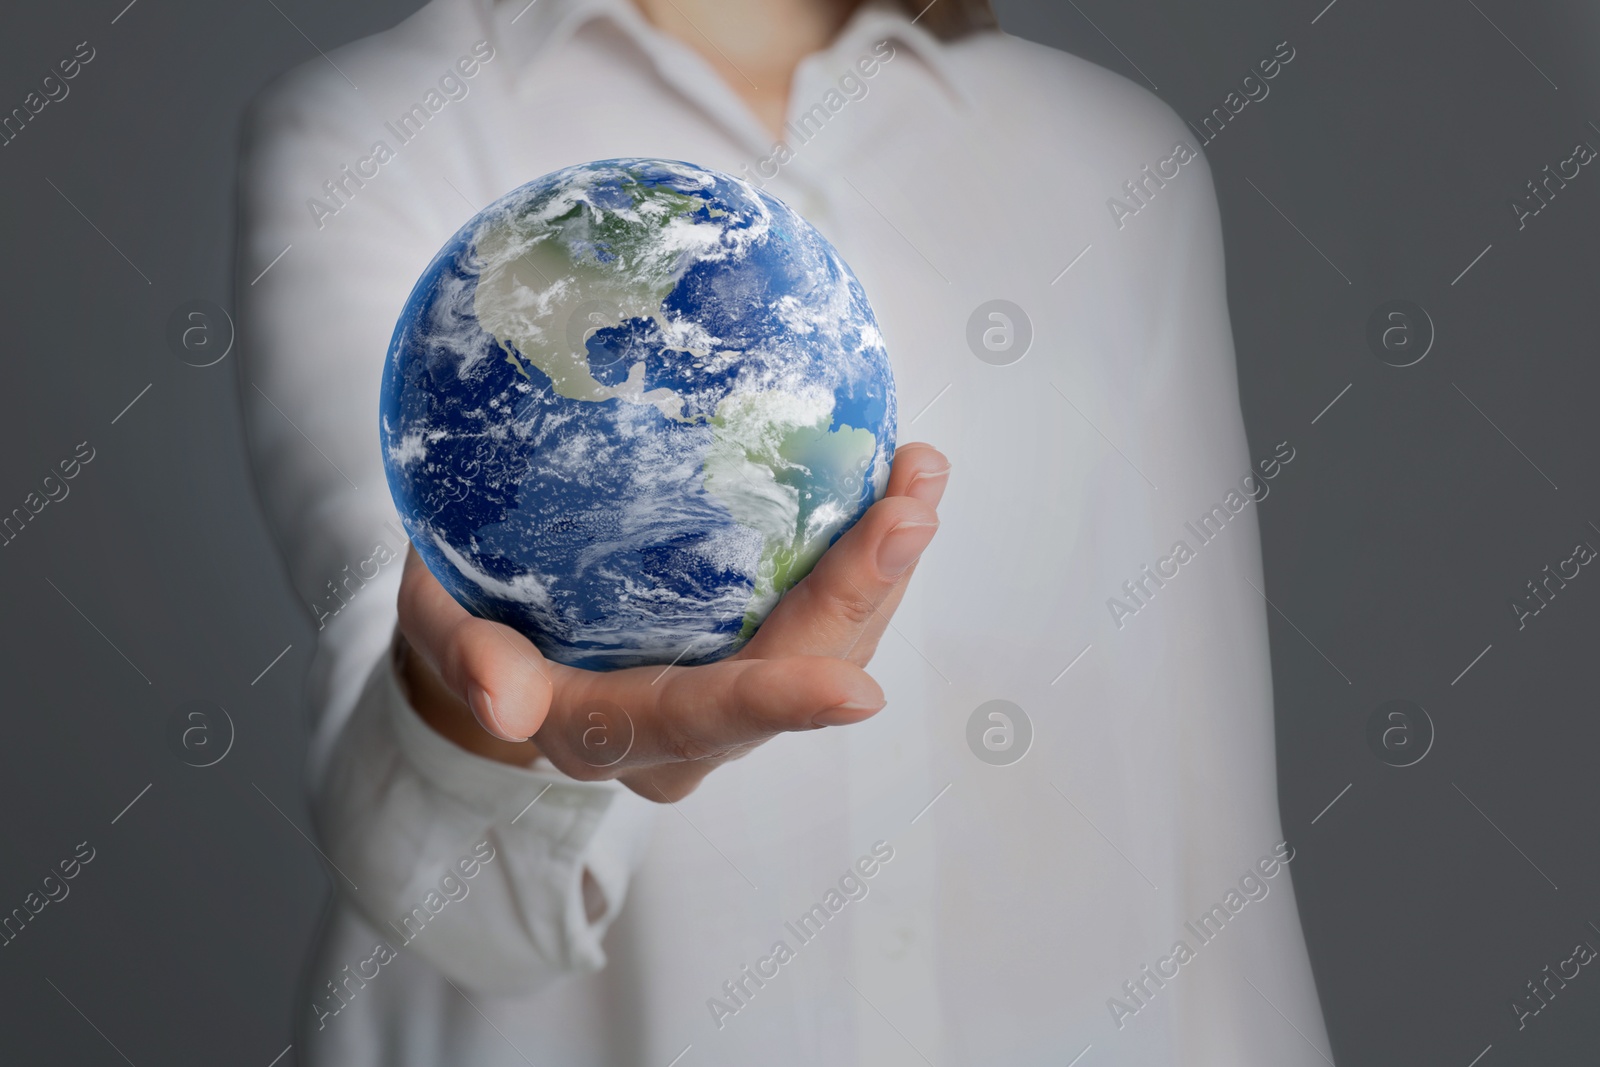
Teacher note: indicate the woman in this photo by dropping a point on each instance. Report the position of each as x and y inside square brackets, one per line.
[937, 898]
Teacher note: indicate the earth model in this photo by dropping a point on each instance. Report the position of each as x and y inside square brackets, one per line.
[629, 405]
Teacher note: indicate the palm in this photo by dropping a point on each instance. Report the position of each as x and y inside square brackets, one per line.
[660, 731]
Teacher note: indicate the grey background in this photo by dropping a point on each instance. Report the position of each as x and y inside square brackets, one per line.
[1394, 140]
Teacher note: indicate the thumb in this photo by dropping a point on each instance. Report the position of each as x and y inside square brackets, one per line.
[491, 668]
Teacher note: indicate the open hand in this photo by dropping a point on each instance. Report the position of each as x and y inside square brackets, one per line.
[661, 730]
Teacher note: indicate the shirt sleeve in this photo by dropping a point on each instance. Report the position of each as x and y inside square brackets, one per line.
[1207, 624]
[477, 864]
[325, 262]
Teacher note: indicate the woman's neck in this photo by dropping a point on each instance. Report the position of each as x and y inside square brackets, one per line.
[755, 45]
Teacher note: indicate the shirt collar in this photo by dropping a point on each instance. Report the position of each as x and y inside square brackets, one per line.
[529, 28]
[880, 20]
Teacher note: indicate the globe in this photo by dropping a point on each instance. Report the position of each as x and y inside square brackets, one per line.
[628, 406]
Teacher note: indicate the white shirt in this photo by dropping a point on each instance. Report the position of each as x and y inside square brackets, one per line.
[1017, 900]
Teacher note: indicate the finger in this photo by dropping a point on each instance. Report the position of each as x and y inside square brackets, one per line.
[843, 606]
[492, 668]
[606, 725]
[924, 475]
[763, 698]
[919, 471]
[669, 783]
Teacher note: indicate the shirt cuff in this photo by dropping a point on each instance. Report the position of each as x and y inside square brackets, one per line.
[403, 804]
